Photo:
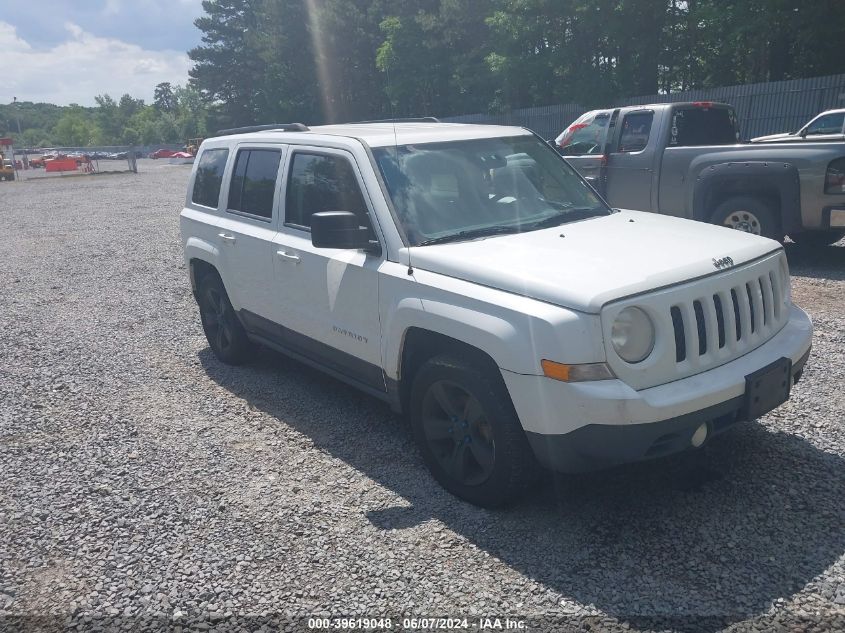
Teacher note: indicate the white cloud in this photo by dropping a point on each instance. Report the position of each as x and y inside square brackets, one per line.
[83, 66]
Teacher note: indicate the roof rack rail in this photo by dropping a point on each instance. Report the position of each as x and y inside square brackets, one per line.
[284, 127]
[422, 119]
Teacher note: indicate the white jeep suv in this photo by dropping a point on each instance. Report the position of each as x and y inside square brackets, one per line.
[468, 276]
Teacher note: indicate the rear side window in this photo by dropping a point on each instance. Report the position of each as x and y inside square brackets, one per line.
[253, 185]
[636, 128]
[699, 125]
[210, 166]
[585, 136]
[322, 182]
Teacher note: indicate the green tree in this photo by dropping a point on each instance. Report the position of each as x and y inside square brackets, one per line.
[163, 98]
[76, 128]
[229, 68]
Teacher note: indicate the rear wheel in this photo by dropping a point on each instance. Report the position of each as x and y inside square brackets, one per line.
[818, 238]
[468, 432]
[748, 214]
[224, 332]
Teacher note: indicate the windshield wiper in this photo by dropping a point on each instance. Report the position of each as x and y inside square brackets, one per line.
[570, 215]
[469, 234]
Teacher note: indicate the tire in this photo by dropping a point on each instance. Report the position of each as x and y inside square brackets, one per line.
[752, 215]
[469, 434]
[223, 330]
[818, 238]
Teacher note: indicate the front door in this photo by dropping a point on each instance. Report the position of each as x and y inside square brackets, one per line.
[327, 299]
[630, 164]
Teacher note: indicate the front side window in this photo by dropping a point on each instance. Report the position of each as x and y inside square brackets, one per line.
[636, 128]
[322, 182]
[585, 136]
[209, 177]
[827, 124]
[253, 185]
[462, 190]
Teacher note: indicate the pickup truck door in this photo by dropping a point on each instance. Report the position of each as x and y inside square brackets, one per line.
[327, 299]
[581, 144]
[630, 161]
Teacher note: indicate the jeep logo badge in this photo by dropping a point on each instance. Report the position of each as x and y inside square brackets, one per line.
[724, 262]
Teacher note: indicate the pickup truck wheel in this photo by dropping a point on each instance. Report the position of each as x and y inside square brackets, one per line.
[818, 238]
[468, 432]
[747, 214]
[224, 332]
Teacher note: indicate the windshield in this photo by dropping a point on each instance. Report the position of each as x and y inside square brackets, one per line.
[472, 188]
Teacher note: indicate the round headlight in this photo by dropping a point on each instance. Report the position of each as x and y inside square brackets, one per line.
[632, 335]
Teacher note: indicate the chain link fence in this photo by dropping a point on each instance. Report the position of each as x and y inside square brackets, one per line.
[80, 161]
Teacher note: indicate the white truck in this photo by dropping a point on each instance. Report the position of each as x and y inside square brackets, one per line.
[467, 275]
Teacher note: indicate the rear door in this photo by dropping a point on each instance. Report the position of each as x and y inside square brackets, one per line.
[582, 144]
[630, 162]
[247, 227]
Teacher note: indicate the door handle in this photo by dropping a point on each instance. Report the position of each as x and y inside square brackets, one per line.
[288, 257]
[226, 237]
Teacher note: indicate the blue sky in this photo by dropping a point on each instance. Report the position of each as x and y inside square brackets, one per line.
[69, 51]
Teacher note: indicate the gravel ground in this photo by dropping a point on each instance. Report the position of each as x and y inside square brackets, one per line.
[144, 485]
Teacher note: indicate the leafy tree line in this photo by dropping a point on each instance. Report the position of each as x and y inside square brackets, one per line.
[335, 60]
[338, 60]
[176, 114]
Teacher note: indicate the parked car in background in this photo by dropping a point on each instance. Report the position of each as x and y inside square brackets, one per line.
[827, 126]
[163, 153]
[685, 159]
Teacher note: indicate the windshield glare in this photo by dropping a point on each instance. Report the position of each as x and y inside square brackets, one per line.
[460, 188]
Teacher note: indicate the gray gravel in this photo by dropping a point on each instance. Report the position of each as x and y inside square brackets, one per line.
[143, 484]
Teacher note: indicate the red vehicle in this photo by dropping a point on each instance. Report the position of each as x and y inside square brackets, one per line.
[163, 153]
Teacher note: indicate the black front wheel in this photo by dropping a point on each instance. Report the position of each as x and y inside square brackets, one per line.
[223, 330]
[469, 434]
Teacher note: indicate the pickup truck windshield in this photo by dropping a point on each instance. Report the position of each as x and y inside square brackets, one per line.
[463, 190]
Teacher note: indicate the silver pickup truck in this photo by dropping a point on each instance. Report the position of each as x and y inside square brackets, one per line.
[685, 159]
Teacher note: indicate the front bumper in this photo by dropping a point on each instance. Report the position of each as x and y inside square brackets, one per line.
[586, 426]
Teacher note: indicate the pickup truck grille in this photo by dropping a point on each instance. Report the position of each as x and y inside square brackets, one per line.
[705, 323]
[732, 318]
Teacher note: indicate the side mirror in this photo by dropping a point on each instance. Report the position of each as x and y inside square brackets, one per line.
[338, 229]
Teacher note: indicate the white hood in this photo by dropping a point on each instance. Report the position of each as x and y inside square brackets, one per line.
[585, 264]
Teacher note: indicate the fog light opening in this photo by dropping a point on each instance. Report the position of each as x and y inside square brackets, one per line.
[699, 436]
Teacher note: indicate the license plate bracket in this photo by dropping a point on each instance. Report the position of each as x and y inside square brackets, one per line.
[767, 388]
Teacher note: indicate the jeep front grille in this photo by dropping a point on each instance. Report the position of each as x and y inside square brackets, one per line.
[704, 323]
[735, 317]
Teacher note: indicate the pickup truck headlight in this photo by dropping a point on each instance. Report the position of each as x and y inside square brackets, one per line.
[632, 335]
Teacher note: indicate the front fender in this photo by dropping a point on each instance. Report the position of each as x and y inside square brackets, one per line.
[516, 332]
